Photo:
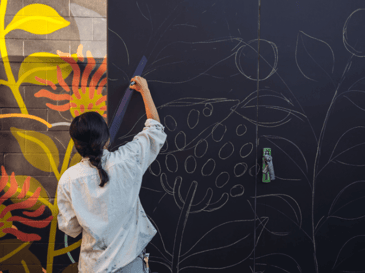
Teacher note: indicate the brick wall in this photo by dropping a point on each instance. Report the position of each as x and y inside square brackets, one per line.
[38, 100]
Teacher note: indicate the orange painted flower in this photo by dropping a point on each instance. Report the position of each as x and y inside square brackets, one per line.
[87, 95]
[6, 218]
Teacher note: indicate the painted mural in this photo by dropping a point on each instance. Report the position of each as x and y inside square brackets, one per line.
[29, 238]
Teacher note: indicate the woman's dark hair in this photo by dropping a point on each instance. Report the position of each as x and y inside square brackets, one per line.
[90, 132]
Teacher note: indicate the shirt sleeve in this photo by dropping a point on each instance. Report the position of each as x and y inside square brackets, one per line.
[147, 144]
[67, 221]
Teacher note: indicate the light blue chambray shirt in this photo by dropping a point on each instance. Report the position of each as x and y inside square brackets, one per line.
[114, 226]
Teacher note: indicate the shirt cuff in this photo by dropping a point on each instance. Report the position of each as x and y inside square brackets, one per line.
[154, 123]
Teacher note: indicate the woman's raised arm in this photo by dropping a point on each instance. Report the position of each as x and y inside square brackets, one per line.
[141, 86]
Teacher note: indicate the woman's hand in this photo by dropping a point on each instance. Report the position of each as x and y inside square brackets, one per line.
[140, 84]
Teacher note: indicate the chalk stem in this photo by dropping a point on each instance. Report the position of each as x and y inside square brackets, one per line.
[184, 215]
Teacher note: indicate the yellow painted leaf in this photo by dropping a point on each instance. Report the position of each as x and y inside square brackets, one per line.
[37, 19]
[75, 159]
[43, 65]
[38, 149]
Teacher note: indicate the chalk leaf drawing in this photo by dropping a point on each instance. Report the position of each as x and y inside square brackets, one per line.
[351, 251]
[37, 19]
[348, 200]
[349, 141]
[38, 149]
[193, 258]
[291, 151]
[277, 262]
[356, 97]
[351, 39]
[287, 211]
[314, 57]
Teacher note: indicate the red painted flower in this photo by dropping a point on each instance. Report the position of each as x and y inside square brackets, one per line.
[6, 218]
[85, 98]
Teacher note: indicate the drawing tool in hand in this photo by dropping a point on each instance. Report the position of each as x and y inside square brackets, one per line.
[132, 83]
[119, 115]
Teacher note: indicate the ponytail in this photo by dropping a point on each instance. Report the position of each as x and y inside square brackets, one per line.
[96, 161]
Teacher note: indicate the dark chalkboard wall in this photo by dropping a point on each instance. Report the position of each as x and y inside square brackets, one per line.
[204, 192]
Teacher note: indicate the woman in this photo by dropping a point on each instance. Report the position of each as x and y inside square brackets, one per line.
[99, 195]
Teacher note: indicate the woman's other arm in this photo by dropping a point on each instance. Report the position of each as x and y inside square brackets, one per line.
[67, 220]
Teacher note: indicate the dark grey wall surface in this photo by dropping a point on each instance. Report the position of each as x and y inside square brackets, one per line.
[212, 212]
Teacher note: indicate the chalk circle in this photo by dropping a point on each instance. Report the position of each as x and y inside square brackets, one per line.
[240, 169]
[155, 168]
[248, 49]
[180, 140]
[193, 118]
[252, 170]
[190, 161]
[222, 179]
[241, 131]
[355, 24]
[246, 149]
[208, 109]
[209, 167]
[218, 132]
[170, 123]
[227, 149]
[237, 190]
[171, 163]
[202, 145]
